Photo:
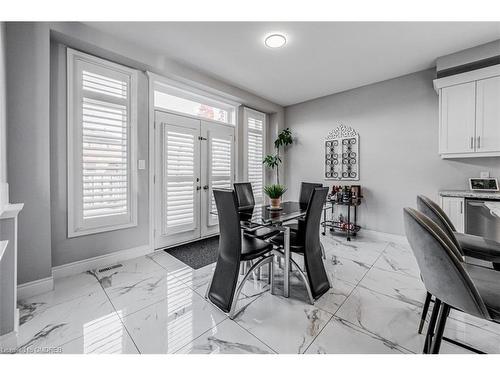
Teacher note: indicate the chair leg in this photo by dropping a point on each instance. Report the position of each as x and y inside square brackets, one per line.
[427, 302]
[445, 310]
[431, 326]
[260, 263]
[322, 250]
[304, 279]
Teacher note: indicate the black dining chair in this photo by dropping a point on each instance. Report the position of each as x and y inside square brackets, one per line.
[306, 242]
[455, 284]
[246, 205]
[234, 248]
[466, 244]
[306, 189]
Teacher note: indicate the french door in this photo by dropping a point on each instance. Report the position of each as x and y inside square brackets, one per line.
[192, 158]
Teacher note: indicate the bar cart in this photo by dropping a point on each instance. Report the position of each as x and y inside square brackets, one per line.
[347, 227]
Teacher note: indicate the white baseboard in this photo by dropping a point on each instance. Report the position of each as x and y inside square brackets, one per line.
[396, 238]
[80, 266]
[34, 288]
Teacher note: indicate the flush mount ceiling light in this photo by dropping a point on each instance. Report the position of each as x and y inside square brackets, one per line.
[275, 40]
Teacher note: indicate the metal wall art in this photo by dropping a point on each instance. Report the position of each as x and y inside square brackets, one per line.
[342, 154]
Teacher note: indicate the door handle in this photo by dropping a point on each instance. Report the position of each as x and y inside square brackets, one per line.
[198, 187]
[461, 207]
[472, 142]
[479, 142]
[205, 187]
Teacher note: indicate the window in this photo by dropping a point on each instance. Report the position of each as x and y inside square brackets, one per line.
[102, 132]
[187, 102]
[255, 130]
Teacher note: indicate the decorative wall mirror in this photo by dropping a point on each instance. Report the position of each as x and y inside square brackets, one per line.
[342, 154]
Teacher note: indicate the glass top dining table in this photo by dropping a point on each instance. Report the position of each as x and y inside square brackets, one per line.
[263, 215]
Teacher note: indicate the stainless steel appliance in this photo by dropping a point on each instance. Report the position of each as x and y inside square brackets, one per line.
[480, 221]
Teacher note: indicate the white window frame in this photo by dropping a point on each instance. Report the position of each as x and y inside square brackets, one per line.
[257, 114]
[77, 225]
[183, 91]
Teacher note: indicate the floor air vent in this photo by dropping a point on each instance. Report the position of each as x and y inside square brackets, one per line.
[110, 268]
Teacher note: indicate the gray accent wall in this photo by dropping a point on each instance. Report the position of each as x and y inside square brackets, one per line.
[397, 121]
[66, 250]
[28, 146]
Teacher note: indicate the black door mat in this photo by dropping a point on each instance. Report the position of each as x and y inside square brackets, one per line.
[197, 254]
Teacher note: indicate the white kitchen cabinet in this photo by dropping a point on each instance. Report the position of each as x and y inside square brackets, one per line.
[454, 207]
[488, 115]
[457, 119]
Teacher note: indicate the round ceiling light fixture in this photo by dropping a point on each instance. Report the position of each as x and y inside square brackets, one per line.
[275, 40]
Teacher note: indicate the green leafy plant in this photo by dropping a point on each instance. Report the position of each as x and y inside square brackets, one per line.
[273, 161]
[274, 191]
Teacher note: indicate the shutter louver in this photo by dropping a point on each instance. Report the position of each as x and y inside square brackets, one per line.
[104, 148]
[179, 155]
[255, 155]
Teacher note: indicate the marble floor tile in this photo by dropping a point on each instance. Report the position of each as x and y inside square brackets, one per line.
[358, 249]
[398, 258]
[167, 261]
[129, 298]
[131, 271]
[341, 337]
[226, 338]
[283, 324]
[351, 271]
[65, 289]
[103, 336]
[384, 317]
[473, 336]
[396, 285]
[173, 322]
[64, 322]
[476, 322]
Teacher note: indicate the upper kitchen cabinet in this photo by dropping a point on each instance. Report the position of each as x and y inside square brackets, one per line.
[457, 109]
[469, 113]
[488, 115]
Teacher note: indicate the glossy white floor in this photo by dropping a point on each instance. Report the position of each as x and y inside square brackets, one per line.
[155, 304]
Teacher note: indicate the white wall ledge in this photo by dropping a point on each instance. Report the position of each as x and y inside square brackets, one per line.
[10, 211]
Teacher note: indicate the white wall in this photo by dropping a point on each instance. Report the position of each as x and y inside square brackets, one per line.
[398, 125]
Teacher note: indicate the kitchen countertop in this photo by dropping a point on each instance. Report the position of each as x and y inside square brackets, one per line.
[470, 194]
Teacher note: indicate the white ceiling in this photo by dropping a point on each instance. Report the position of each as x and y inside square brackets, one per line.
[320, 58]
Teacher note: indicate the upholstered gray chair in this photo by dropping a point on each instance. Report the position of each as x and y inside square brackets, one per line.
[455, 284]
[466, 244]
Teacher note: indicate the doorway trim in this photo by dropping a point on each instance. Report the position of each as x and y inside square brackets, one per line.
[152, 78]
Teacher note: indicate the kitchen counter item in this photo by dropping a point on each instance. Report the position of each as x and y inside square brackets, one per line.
[470, 194]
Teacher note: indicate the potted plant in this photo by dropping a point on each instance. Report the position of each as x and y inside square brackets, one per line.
[275, 191]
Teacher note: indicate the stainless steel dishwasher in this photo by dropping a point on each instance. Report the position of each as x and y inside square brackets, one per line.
[480, 221]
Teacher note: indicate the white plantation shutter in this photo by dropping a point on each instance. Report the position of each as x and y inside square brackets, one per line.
[255, 125]
[179, 179]
[101, 138]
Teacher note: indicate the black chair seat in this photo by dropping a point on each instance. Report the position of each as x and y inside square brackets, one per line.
[487, 282]
[252, 248]
[296, 244]
[479, 247]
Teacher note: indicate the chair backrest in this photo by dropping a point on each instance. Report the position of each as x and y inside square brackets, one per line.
[432, 210]
[313, 260]
[442, 270]
[244, 195]
[228, 262]
[306, 189]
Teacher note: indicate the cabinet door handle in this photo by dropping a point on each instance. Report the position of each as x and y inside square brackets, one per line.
[461, 207]
[479, 142]
[472, 142]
